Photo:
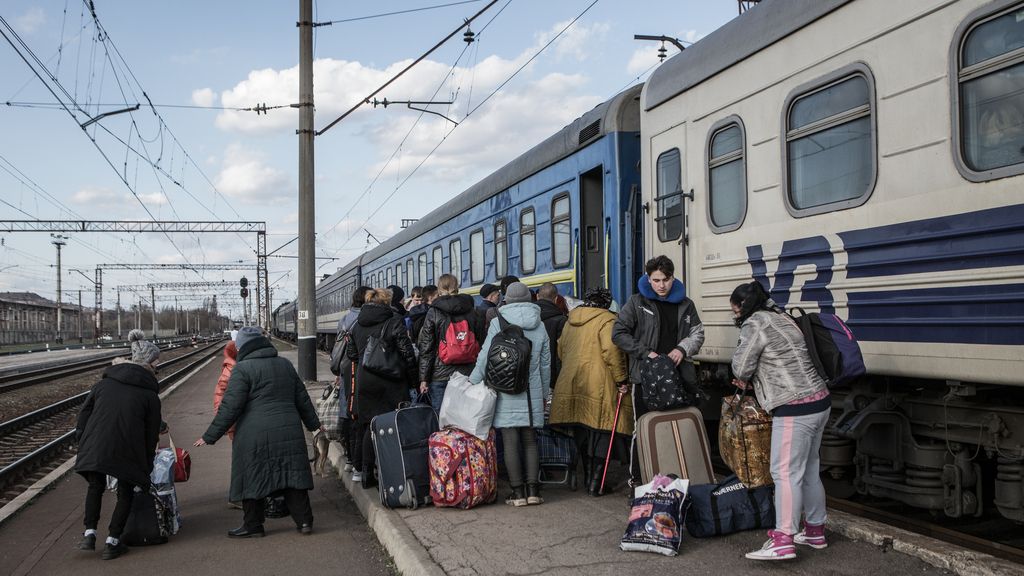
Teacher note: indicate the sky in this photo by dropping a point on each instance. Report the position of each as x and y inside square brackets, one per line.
[533, 68]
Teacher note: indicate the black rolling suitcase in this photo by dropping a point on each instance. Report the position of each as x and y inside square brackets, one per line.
[400, 440]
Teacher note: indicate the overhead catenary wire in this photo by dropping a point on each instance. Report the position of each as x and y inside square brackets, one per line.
[468, 114]
[424, 8]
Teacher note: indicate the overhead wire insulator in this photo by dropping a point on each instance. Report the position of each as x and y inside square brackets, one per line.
[468, 36]
[662, 53]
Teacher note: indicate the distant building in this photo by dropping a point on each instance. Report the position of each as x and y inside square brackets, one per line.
[26, 317]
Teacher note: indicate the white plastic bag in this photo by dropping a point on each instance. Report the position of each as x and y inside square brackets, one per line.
[656, 517]
[467, 407]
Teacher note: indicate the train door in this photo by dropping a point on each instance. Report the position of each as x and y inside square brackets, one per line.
[592, 232]
[669, 234]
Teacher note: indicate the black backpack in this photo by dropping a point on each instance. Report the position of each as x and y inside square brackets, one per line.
[508, 360]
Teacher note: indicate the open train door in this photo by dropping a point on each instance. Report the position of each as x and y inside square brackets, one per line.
[666, 197]
[593, 230]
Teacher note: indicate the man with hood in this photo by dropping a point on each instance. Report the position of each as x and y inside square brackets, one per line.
[117, 432]
[658, 321]
[449, 307]
[554, 321]
[397, 296]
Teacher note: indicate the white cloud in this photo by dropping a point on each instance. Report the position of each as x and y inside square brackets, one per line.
[154, 199]
[578, 42]
[642, 59]
[290, 218]
[31, 20]
[245, 176]
[203, 97]
[98, 197]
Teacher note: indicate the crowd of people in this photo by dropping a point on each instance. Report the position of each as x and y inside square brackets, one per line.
[585, 364]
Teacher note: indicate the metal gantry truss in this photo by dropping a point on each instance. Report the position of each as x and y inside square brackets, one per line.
[163, 226]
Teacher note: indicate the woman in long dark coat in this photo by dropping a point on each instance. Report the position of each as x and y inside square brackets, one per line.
[268, 405]
[117, 432]
[376, 394]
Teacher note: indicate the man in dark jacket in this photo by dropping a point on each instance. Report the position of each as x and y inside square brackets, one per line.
[449, 307]
[414, 320]
[118, 429]
[658, 321]
[268, 404]
[554, 320]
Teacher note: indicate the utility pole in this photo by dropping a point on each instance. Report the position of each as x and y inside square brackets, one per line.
[307, 215]
[118, 314]
[58, 241]
[152, 301]
[175, 315]
[79, 317]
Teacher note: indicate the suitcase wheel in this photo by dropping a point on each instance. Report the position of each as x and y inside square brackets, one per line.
[574, 481]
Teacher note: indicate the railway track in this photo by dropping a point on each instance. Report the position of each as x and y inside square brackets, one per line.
[33, 444]
[15, 381]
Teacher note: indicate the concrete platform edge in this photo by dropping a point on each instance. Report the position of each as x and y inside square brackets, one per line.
[940, 554]
[410, 556]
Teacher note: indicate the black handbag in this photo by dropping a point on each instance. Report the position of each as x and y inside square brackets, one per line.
[381, 355]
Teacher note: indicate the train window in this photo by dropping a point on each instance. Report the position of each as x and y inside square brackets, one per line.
[989, 94]
[500, 249]
[455, 259]
[399, 281]
[527, 241]
[411, 272]
[476, 256]
[391, 278]
[423, 268]
[561, 244]
[727, 187]
[438, 262]
[830, 143]
[670, 196]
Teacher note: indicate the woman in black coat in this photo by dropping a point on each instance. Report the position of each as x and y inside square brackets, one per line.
[376, 394]
[268, 404]
[117, 432]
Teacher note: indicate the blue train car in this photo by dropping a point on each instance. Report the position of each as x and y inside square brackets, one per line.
[564, 212]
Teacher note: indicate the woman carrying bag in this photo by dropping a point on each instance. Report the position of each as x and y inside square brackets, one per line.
[386, 370]
[772, 357]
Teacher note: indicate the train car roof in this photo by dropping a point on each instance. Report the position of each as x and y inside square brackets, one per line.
[619, 114]
[754, 30]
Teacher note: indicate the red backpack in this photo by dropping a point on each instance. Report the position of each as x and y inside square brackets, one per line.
[459, 345]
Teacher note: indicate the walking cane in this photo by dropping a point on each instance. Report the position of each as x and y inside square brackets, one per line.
[608, 456]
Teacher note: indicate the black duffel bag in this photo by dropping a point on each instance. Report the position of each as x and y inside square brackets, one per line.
[727, 507]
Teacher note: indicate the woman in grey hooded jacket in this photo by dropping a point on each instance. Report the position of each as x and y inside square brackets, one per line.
[772, 356]
[517, 416]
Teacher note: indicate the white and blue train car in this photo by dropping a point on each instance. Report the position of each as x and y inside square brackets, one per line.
[864, 158]
[565, 212]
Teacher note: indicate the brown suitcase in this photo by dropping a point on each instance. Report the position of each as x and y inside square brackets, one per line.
[674, 442]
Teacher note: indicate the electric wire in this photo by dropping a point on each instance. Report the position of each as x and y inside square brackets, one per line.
[468, 114]
[357, 19]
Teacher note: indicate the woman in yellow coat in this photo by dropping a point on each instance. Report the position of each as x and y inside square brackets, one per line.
[586, 393]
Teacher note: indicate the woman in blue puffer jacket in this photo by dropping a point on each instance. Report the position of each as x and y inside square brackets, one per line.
[518, 416]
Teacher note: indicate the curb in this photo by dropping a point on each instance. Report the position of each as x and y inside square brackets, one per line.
[410, 556]
[956, 559]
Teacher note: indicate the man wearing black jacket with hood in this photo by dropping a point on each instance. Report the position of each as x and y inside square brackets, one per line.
[118, 429]
[449, 307]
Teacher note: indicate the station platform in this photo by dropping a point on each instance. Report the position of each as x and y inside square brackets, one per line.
[570, 534]
[41, 538]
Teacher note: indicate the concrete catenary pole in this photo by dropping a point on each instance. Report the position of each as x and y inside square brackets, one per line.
[307, 214]
[152, 301]
[118, 314]
[58, 241]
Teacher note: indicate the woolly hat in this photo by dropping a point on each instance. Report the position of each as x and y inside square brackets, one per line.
[143, 351]
[517, 292]
[247, 334]
[488, 289]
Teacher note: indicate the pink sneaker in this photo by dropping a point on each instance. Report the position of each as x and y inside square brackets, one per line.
[812, 535]
[779, 546]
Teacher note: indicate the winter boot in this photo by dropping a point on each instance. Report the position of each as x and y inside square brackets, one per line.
[812, 535]
[779, 546]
